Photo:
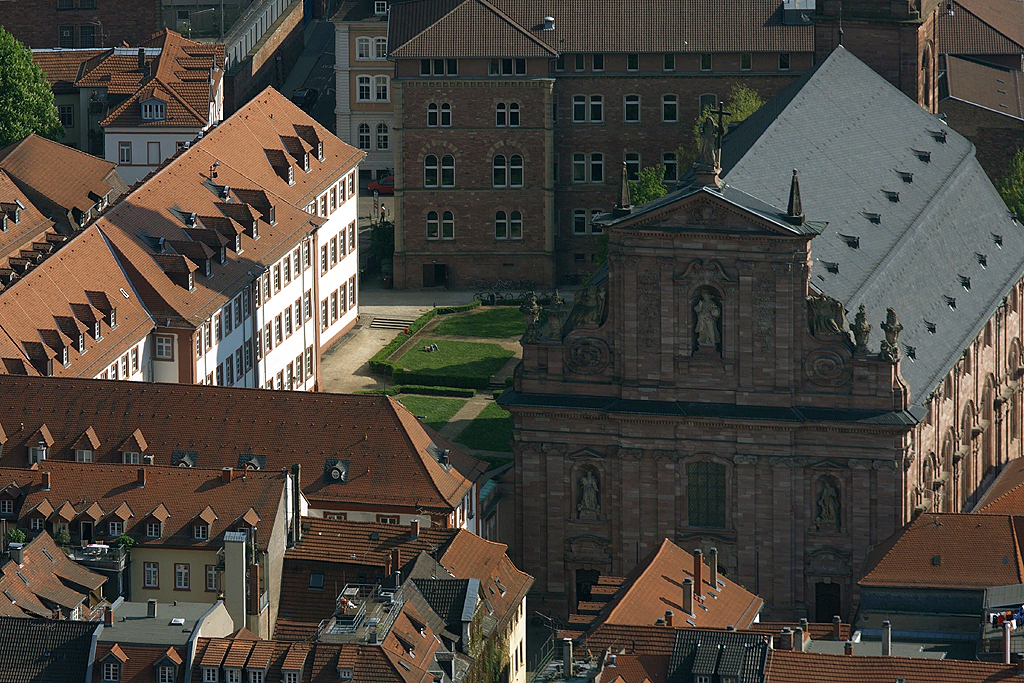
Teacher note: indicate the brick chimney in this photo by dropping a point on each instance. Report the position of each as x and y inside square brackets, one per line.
[886, 638]
[108, 617]
[837, 623]
[688, 595]
[227, 474]
[45, 481]
[414, 530]
[698, 571]
[848, 649]
[713, 574]
[786, 639]
[396, 560]
[142, 478]
[668, 617]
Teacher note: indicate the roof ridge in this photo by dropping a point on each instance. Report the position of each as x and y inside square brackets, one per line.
[391, 403]
[517, 26]
[441, 18]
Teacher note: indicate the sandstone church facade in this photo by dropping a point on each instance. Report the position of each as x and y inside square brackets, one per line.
[787, 382]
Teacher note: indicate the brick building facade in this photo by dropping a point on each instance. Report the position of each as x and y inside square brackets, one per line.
[81, 23]
[531, 131]
[708, 390]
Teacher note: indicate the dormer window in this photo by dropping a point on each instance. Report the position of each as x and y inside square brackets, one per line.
[36, 454]
[96, 331]
[305, 162]
[3, 223]
[224, 255]
[67, 357]
[154, 110]
[380, 7]
[83, 455]
[201, 532]
[168, 674]
[81, 343]
[113, 318]
[111, 672]
[256, 224]
[210, 674]
[320, 151]
[238, 244]
[17, 214]
[191, 282]
[209, 267]
[153, 529]
[273, 215]
[130, 458]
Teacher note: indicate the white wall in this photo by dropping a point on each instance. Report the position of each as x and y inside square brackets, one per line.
[342, 271]
[135, 357]
[273, 365]
[229, 344]
[140, 139]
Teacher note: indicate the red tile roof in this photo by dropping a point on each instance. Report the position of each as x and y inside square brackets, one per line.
[800, 667]
[185, 492]
[949, 550]
[994, 88]
[62, 66]
[817, 631]
[18, 241]
[982, 27]
[390, 463]
[142, 661]
[1006, 493]
[46, 575]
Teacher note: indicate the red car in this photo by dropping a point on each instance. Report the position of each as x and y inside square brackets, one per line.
[385, 185]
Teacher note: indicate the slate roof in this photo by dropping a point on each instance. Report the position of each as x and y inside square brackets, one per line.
[973, 551]
[716, 654]
[183, 491]
[391, 464]
[514, 28]
[44, 650]
[799, 667]
[936, 242]
[997, 89]
[982, 27]
[62, 297]
[159, 207]
[448, 598]
[46, 578]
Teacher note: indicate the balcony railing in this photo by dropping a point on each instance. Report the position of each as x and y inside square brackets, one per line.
[101, 557]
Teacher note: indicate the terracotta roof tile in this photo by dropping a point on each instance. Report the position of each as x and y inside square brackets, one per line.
[994, 88]
[948, 550]
[983, 27]
[817, 631]
[1006, 494]
[383, 442]
[46, 575]
[61, 66]
[799, 667]
[470, 557]
[338, 542]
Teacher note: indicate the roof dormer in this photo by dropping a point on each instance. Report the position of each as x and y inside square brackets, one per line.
[202, 523]
[154, 109]
[184, 458]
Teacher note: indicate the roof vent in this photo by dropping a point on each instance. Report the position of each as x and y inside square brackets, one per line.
[911, 352]
[831, 266]
[875, 218]
[549, 23]
[982, 260]
[998, 239]
[930, 326]
[852, 241]
[950, 301]
[939, 135]
[923, 155]
[965, 281]
[936, 560]
[906, 176]
[893, 196]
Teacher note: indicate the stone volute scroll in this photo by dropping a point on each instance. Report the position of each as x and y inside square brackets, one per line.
[890, 346]
[589, 506]
[861, 330]
[827, 512]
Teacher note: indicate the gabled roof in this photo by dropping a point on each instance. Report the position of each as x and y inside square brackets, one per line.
[934, 239]
[949, 550]
[994, 88]
[483, 28]
[44, 650]
[389, 450]
[142, 662]
[45, 578]
[982, 27]
[157, 209]
[798, 667]
[62, 66]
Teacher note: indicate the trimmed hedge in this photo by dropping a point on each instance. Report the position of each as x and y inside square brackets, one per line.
[448, 310]
[379, 362]
[422, 390]
[426, 378]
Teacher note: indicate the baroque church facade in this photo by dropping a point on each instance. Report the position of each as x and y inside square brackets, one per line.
[788, 377]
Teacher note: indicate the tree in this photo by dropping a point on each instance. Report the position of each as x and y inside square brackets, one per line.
[649, 185]
[26, 101]
[741, 103]
[1011, 185]
[63, 538]
[15, 536]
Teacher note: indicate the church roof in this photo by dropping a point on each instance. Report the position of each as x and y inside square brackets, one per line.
[913, 221]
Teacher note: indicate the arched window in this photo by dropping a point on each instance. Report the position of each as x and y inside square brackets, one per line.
[515, 226]
[632, 165]
[500, 225]
[382, 136]
[513, 115]
[447, 171]
[364, 136]
[515, 171]
[500, 166]
[432, 232]
[446, 115]
[432, 115]
[500, 115]
[705, 494]
[430, 171]
[447, 225]
[362, 48]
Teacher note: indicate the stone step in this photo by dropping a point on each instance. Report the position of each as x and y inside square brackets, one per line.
[392, 323]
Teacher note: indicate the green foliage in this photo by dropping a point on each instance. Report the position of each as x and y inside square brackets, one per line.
[494, 323]
[15, 536]
[448, 310]
[436, 391]
[454, 364]
[26, 101]
[491, 430]
[649, 185]
[63, 538]
[490, 655]
[742, 101]
[1011, 185]
[435, 411]
[379, 362]
[125, 541]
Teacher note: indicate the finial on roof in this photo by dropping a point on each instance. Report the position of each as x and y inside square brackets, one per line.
[625, 205]
[795, 212]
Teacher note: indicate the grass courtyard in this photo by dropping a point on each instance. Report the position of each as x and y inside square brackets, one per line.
[493, 323]
[455, 363]
[491, 430]
[436, 411]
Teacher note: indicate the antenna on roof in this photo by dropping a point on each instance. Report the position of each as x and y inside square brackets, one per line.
[213, 170]
[840, 22]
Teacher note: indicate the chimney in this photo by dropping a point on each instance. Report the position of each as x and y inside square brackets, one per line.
[142, 59]
[234, 579]
[414, 530]
[567, 656]
[848, 649]
[254, 589]
[1006, 642]
[837, 622]
[698, 571]
[886, 638]
[668, 617]
[151, 608]
[688, 595]
[142, 478]
[396, 559]
[798, 639]
[786, 639]
[17, 551]
[46, 481]
[226, 474]
[297, 502]
[713, 576]
[108, 617]
[803, 624]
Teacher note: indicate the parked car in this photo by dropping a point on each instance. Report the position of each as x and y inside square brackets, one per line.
[385, 185]
[305, 98]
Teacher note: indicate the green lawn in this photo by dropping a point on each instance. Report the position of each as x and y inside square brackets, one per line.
[494, 323]
[454, 359]
[491, 430]
[436, 411]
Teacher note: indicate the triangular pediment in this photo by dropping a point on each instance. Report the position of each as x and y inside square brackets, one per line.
[586, 453]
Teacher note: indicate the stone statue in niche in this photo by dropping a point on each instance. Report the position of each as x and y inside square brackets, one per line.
[828, 317]
[861, 330]
[827, 518]
[706, 328]
[589, 504]
[890, 347]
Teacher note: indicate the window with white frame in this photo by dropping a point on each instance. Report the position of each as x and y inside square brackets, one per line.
[507, 67]
[579, 221]
[506, 114]
[181, 577]
[36, 523]
[130, 458]
[36, 454]
[507, 171]
[152, 529]
[363, 88]
[579, 168]
[596, 108]
[382, 136]
[579, 108]
[124, 152]
[381, 88]
[631, 109]
[632, 160]
[432, 115]
[447, 233]
[380, 48]
[212, 578]
[255, 677]
[115, 528]
[597, 168]
[201, 531]
[669, 108]
[362, 48]
[211, 674]
[364, 136]
[151, 574]
[433, 225]
[233, 675]
[111, 671]
[83, 455]
[6, 506]
[166, 674]
[291, 677]
[154, 111]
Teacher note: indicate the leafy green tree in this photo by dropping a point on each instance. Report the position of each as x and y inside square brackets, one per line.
[742, 101]
[125, 541]
[63, 538]
[15, 536]
[649, 185]
[26, 101]
[1011, 185]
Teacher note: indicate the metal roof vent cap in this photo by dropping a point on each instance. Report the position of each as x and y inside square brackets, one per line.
[549, 23]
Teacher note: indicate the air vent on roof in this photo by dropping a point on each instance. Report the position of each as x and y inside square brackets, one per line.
[936, 560]
[336, 471]
[549, 23]
[852, 241]
[875, 218]
[911, 352]
[965, 281]
[930, 326]
[831, 266]
[950, 301]
[982, 260]
[923, 155]
[939, 135]
[998, 239]
[892, 196]
[906, 176]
